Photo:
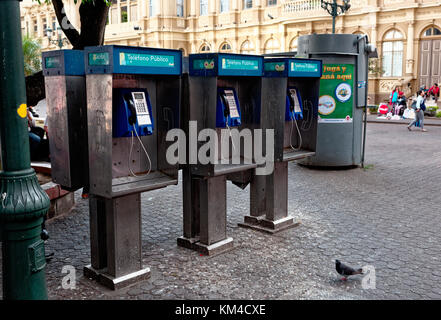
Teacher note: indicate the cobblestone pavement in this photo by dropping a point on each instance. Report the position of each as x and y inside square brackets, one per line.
[387, 215]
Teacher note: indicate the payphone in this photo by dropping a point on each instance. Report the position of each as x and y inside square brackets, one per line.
[223, 95]
[228, 111]
[294, 105]
[132, 113]
[65, 86]
[290, 91]
[133, 100]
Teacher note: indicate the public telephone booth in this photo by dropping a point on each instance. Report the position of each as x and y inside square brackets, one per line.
[65, 86]
[290, 91]
[223, 98]
[133, 100]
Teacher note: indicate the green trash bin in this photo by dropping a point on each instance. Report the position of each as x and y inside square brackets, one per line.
[343, 96]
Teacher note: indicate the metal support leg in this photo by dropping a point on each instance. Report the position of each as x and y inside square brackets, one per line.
[213, 202]
[98, 241]
[191, 204]
[208, 200]
[257, 200]
[123, 242]
[273, 189]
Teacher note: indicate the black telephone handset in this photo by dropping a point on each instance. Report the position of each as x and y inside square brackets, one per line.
[131, 105]
[227, 106]
[291, 103]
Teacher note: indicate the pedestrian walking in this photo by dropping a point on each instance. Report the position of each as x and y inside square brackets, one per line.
[419, 112]
[393, 98]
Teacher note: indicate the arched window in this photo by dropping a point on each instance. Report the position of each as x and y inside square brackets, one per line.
[430, 32]
[393, 54]
[205, 48]
[272, 45]
[225, 47]
[293, 44]
[247, 47]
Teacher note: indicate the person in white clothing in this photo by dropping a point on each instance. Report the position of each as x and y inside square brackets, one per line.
[419, 112]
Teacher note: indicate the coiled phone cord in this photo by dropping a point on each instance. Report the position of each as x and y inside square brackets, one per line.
[222, 139]
[229, 132]
[145, 151]
[300, 135]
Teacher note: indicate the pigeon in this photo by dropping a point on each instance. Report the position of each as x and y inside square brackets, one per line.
[345, 270]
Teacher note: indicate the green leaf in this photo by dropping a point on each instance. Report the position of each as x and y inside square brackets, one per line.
[31, 54]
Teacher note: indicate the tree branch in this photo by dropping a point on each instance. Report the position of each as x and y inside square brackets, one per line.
[71, 33]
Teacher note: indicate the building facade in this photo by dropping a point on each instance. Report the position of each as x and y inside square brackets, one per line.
[407, 33]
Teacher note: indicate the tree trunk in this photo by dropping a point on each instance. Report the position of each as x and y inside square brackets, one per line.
[93, 24]
[93, 17]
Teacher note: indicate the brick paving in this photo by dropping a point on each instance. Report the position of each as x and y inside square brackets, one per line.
[387, 215]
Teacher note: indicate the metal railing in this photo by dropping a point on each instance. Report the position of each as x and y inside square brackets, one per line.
[295, 6]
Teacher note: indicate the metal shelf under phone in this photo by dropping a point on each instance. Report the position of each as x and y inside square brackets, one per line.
[221, 169]
[291, 155]
[154, 180]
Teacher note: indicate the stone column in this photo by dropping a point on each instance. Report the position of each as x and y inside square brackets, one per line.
[410, 48]
[235, 4]
[193, 7]
[142, 4]
[39, 25]
[214, 6]
[282, 32]
[129, 14]
[119, 12]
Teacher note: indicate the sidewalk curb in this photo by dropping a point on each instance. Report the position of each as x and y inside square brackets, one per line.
[399, 122]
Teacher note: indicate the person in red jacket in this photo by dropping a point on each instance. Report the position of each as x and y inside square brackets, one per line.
[434, 90]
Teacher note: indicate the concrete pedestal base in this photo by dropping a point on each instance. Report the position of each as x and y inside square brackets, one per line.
[187, 242]
[260, 223]
[215, 248]
[116, 283]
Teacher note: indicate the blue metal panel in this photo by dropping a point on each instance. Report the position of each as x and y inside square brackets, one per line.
[132, 60]
[275, 67]
[305, 68]
[63, 62]
[203, 64]
[225, 64]
[292, 67]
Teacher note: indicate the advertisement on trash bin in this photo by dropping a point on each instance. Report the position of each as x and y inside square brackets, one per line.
[336, 93]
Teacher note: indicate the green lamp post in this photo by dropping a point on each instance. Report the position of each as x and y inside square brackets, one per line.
[23, 203]
[335, 9]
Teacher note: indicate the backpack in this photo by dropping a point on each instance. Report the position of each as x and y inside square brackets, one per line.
[413, 106]
[423, 106]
